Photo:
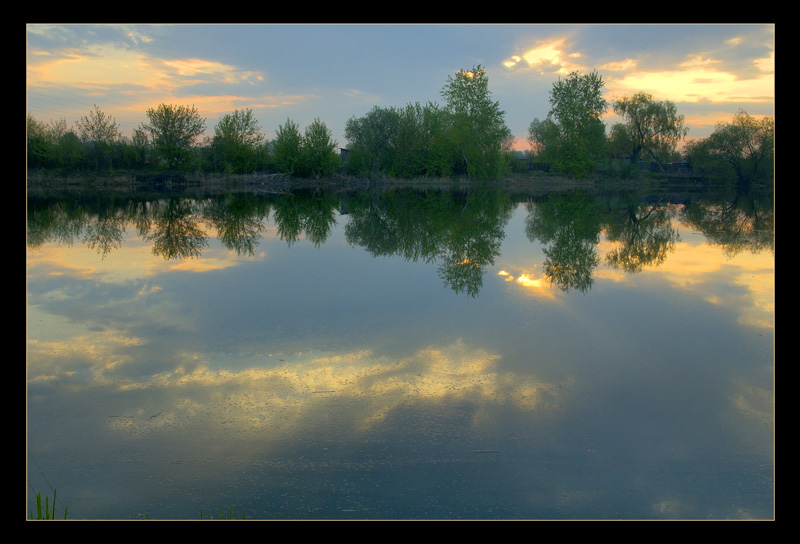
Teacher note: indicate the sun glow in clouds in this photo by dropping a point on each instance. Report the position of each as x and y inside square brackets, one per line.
[703, 78]
[547, 57]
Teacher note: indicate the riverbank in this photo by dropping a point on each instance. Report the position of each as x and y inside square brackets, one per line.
[43, 182]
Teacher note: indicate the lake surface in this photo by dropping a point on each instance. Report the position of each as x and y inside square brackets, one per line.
[402, 354]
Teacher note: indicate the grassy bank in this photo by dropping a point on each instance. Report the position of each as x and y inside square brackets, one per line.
[44, 181]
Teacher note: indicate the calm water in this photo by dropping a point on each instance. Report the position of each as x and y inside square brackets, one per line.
[402, 354]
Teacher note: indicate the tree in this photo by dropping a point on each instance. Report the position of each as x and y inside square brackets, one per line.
[478, 128]
[286, 147]
[650, 126]
[237, 138]
[38, 143]
[172, 130]
[318, 152]
[140, 145]
[98, 127]
[746, 145]
[572, 137]
[68, 150]
[100, 133]
[370, 140]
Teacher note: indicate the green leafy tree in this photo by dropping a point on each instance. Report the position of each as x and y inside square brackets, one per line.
[100, 133]
[236, 142]
[417, 141]
[477, 126]
[68, 150]
[745, 146]
[650, 127]
[38, 143]
[286, 147]
[438, 150]
[172, 131]
[370, 140]
[318, 155]
[572, 137]
[140, 145]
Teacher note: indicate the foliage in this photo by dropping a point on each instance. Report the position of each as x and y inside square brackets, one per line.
[477, 124]
[286, 147]
[236, 142]
[572, 137]
[47, 513]
[466, 136]
[98, 127]
[570, 226]
[221, 517]
[172, 131]
[651, 126]
[318, 155]
[140, 145]
[38, 145]
[400, 142]
[99, 134]
[745, 147]
[370, 140]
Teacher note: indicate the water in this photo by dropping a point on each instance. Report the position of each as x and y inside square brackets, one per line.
[402, 354]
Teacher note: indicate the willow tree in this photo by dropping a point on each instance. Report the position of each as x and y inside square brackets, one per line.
[651, 127]
[745, 146]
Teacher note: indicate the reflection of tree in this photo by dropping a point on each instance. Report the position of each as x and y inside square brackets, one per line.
[59, 221]
[473, 240]
[106, 233]
[175, 233]
[571, 224]
[645, 235]
[462, 232]
[745, 223]
[239, 221]
[402, 222]
[314, 215]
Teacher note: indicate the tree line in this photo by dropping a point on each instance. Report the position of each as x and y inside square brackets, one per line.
[464, 136]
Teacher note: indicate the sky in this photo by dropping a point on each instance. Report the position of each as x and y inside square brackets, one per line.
[336, 72]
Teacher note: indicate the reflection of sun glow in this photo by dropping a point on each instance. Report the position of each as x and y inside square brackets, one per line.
[506, 275]
[528, 281]
[532, 285]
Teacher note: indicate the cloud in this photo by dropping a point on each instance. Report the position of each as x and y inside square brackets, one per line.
[547, 57]
[696, 83]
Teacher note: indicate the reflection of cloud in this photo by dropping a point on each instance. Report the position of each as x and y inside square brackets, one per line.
[274, 398]
[692, 267]
[96, 352]
[530, 284]
[135, 263]
[754, 402]
[672, 507]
